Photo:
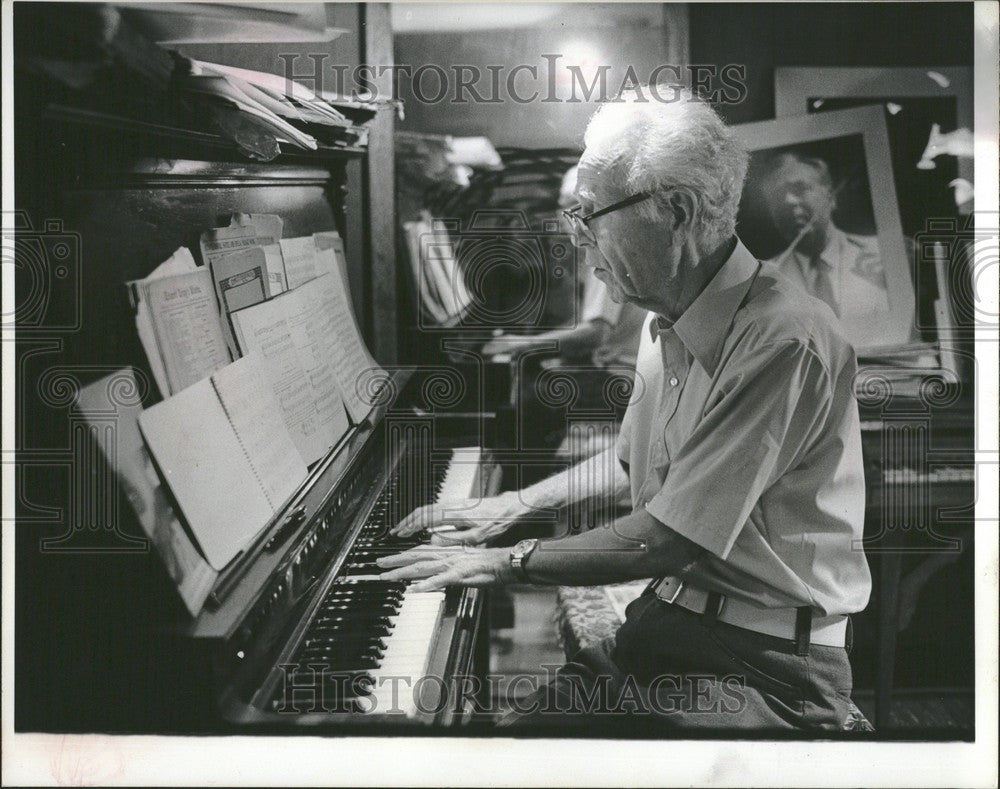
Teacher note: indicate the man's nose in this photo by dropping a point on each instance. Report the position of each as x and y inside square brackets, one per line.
[580, 240]
[590, 258]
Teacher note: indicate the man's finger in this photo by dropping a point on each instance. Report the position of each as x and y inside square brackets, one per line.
[412, 571]
[440, 581]
[419, 519]
[454, 539]
[419, 554]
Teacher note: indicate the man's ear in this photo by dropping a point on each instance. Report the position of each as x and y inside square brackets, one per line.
[683, 206]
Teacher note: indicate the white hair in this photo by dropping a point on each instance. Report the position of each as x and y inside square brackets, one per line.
[567, 189]
[648, 140]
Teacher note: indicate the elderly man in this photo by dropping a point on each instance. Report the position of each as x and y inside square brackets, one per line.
[843, 269]
[741, 449]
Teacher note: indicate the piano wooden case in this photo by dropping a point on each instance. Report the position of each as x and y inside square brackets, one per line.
[103, 642]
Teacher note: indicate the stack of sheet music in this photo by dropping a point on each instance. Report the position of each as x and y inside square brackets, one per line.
[232, 441]
[443, 159]
[440, 283]
[279, 110]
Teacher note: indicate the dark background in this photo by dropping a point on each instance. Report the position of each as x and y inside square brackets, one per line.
[766, 35]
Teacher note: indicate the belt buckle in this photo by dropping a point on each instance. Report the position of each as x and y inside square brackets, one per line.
[665, 586]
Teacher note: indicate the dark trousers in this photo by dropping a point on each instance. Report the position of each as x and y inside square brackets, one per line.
[669, 669]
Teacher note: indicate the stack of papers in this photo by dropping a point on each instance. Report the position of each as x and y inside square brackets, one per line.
[232, 440]
[277, 108]
[440, 282]
[443, 159]
[178, 323]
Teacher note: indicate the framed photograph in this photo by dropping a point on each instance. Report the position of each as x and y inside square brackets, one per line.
[929, 114]
[820, 206]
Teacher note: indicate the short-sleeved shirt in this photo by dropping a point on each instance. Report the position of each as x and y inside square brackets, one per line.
[743, 436]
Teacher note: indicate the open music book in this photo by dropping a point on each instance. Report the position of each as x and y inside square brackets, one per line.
[223, 449]
[115, 424]
[232, 441]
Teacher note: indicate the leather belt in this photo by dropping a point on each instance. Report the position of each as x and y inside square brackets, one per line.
[830, 631]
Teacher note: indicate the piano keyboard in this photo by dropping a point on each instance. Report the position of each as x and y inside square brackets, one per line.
[909, 476]
[369, 641]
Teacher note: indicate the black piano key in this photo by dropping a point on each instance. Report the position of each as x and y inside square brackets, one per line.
[328, 629]
[346, 663]
[344, 607]
[327, 620]
[362, 600]
[374, 641]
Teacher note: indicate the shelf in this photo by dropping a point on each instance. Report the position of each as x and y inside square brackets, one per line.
[187, 137]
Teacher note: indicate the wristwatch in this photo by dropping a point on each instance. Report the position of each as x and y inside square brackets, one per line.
[519, 555]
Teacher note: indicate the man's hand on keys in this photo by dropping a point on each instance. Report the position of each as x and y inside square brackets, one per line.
[465, 522]
[436, 568]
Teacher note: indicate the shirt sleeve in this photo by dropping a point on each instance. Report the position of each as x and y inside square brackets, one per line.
[624, 441]
[766, 416]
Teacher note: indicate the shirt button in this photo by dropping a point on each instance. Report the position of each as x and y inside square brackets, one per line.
[673, 380]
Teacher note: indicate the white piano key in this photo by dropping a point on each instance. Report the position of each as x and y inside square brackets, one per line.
[460, 477]
[407, 651]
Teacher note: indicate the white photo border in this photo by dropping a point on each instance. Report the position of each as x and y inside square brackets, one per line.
[794, 86]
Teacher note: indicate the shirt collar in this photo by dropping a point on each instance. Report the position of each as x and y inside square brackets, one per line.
[831, 254]
[705, 324]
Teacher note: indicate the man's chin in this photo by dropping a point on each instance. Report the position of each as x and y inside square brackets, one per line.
[616, 294]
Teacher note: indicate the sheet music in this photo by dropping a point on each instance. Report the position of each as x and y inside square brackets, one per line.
[330, 239]
[226, 455]
[221, 241]
[299, 255]
[178, 263]
[241, 278]
[240, 281]
[355, 369]
[125, 453]
[255, 417]
[275, 264]
[267, 228]
[302, 380]
[187, 327]
[312, 331]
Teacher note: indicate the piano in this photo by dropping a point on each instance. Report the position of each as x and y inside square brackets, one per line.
[297, 634]
[303, 634]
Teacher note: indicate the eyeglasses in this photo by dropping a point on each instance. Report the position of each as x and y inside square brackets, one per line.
[581, 223]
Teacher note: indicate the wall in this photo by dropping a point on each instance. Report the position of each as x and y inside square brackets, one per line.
[762, 36]
[643, 36]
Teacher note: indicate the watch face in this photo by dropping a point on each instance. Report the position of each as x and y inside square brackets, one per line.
[523, 547]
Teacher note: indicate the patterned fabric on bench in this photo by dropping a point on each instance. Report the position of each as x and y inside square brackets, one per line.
[585, 616]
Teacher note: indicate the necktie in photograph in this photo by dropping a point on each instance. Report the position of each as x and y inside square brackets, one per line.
[823, 285]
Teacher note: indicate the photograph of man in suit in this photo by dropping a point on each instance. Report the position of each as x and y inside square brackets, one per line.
[843, 269]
